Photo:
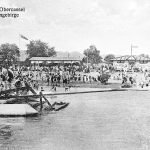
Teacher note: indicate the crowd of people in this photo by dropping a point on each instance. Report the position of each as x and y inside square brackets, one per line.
[36, 77]
[65, 76]
[130, 79]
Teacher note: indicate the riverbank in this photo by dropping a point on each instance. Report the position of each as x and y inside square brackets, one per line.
[82, 86]
[95, 84]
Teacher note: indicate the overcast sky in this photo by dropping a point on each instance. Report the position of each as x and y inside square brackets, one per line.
[73, 25]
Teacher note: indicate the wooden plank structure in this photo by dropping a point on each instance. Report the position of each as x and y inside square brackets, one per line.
[10, 108]
[12, 96]
[14, 93]
[62, 93]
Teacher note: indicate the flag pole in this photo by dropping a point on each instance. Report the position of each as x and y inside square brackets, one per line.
[19, 50]
[131, 49]
[19, 41]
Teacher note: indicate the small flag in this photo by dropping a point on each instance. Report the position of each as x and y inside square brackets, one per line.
[134, 46]
[23, 37]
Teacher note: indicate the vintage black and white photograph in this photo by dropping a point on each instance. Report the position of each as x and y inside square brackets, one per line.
[74, 74]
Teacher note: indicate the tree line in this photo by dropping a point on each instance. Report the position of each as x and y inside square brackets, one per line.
[10, 53]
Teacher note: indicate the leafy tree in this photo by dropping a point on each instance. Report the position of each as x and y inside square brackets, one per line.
[109, 57]
[51, 52]
[40, 49]
[92, 55]
[103, 78]
[10, 53]
[27, 62]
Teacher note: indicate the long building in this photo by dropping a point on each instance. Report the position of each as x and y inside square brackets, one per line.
[55, 60]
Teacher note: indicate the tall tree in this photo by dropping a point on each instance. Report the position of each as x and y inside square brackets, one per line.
[40, 49]
[51, 52]
[92, 55]
[10, 53]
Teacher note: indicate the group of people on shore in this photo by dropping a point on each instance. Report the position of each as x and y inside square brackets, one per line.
[130, 79]
[64, 76]
[49, 76]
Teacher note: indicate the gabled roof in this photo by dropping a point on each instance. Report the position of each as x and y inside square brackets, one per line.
[133, 58]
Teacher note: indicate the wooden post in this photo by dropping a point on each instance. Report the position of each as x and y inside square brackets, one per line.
[17, 93]
[30, 88]
[41, 104]
[46, 100]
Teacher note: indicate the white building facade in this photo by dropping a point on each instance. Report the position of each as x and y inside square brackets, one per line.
[128, 62]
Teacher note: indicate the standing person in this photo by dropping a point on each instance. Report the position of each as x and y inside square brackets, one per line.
[124, 80]
[40, 73]
[10, 77]
[90, 79]
[36, 85]
[4, 76]
[52, 79]
[84, 78]
[55, 80]
[58, 79]
[68, 78]
[48, 79]
[64, 80]
[131, 80]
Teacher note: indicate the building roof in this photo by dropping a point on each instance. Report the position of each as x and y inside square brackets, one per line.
[55, 59]
[131, 58]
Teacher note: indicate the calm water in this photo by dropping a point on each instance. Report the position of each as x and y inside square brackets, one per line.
[97, 121]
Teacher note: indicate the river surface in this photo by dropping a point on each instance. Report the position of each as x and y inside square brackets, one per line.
[96, 121]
